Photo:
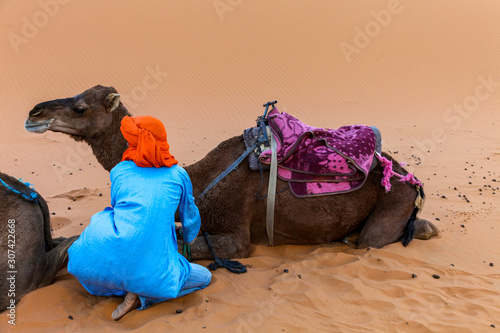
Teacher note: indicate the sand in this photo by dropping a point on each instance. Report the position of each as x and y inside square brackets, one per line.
[426, 73]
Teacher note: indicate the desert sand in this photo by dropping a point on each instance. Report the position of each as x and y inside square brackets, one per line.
[426, 73]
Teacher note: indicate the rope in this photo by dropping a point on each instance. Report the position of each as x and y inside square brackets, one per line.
[227, 171]
[186, 249]
[409, 230]
[33, 196]
[231, 265]
[389, 173]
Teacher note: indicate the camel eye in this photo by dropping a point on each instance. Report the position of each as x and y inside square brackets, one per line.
[80, 111]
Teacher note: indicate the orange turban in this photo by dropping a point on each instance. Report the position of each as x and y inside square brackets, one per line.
[147, 142]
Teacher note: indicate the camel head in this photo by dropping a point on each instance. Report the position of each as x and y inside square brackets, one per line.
[85, 116]
[94, 116]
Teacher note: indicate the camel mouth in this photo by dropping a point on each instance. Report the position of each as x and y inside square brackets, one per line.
[38, 127]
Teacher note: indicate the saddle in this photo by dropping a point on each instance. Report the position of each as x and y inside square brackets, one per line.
[315, 161]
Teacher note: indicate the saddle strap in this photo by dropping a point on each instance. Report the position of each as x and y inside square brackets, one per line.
[271, 192]
[227, 171]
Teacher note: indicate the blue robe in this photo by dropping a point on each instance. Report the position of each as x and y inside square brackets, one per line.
[132, 245]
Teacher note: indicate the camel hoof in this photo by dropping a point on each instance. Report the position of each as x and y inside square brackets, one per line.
[425, 229]
[130, 302]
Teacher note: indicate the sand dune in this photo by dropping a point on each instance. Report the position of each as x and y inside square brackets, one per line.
[427, 74]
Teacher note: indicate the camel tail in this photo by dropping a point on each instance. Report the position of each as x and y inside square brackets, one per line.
[409, 231]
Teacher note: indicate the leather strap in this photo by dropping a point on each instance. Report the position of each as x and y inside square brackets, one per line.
[271, 192]
[227, 171]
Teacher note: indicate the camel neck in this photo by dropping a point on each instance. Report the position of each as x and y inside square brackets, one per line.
[109, 146]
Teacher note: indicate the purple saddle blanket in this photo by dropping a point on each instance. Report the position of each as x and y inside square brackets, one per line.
[319, 161]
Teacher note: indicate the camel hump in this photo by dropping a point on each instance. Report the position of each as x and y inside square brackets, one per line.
[15, 186]
[321, 161]
[24, 190]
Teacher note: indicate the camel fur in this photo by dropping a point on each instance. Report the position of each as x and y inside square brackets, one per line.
[29, 258]
[231, 212]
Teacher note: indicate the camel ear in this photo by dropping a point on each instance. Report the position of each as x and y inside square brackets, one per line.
[112, 101]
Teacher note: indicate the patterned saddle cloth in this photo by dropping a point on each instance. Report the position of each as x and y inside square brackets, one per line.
[318, 161]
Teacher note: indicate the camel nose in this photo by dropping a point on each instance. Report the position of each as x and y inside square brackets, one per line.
[48, 106]
[36, 111]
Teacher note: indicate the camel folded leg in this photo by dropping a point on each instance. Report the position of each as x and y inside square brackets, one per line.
[225, 246]
[57, 241]
[425, 229]
[387, 221]
[56, 259]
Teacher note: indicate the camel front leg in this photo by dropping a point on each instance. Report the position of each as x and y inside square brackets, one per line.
[56, 259]
[225, 246]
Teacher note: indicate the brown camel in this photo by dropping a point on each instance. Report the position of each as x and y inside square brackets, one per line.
[230, 211]
[29, 258]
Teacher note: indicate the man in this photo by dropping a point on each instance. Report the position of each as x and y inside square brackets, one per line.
[130, 248]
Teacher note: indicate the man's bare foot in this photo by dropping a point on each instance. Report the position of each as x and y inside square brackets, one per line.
[130, 302]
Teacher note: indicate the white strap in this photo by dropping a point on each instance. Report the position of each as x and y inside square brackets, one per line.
[271, 192]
